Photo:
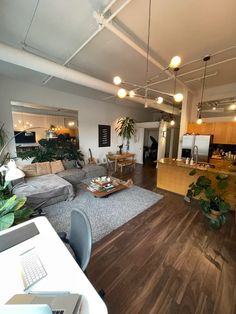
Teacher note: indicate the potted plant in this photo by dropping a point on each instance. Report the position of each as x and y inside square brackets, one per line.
[212, 202]
[54, 149]
[12, 209]
[126, 128]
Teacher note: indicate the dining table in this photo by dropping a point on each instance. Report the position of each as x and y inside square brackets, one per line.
[120, 158]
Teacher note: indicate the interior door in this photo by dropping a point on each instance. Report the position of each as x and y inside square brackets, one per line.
[136, 145]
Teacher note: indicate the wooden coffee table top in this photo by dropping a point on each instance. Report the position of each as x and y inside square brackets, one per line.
[117, 188]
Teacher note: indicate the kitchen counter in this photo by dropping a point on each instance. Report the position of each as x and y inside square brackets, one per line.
[199, 166]
[173, 176]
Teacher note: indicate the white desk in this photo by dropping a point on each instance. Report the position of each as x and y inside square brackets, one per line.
[63, 272]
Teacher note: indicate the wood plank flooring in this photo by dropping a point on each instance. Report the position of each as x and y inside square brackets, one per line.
[166, 260]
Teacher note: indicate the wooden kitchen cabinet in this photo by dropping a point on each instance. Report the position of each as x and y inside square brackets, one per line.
[232, 133]
[223, 132]
[203, 129]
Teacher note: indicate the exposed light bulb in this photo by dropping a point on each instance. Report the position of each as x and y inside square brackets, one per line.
[172, 122]
[121, 93]
[199, 121]
[31, 125]
[131, 94]
[232, 107]
[175, 62]
[235, 118]
[71, 123]
[19, 121]
[214, 108]
[160, 100]
[15, 125]
[117, 80]
[27, 123]
[146, 104]
[178, 97]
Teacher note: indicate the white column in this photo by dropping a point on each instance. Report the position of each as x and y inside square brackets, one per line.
[172, 132]
[185, 117]
[162, 140]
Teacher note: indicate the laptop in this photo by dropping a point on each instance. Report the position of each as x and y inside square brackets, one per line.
[25, 309]
[61, 303]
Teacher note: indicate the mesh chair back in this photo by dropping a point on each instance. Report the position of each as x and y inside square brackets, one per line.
[81, 237]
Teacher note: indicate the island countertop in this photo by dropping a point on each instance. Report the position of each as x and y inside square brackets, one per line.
[199, 166]
[173, 175]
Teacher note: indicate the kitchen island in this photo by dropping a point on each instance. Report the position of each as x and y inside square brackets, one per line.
[173, 176]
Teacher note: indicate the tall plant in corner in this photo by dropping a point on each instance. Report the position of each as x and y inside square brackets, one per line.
[126, 128]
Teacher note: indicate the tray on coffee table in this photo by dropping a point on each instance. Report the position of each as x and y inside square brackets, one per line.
[105, 193]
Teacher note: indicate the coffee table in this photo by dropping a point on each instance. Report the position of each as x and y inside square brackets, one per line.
[101, 194]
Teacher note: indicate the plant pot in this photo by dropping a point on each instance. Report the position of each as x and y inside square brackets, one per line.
[214, 214]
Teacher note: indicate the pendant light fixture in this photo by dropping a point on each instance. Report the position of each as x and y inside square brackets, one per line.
[133, 92]
[199, 118]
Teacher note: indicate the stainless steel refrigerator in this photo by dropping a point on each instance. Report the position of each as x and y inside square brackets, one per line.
[203, 143]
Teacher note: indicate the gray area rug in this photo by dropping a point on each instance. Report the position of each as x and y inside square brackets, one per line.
[105, 214]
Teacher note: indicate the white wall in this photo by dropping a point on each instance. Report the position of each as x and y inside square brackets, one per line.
[214, 93]
[91, 112]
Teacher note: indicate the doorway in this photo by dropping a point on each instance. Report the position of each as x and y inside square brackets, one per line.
[150, 145]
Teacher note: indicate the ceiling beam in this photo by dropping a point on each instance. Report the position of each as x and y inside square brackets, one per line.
[39, 64]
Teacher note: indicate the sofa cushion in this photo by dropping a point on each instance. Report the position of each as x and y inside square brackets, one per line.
[43, 168]
[30, 170]
[49, 188]
[74, 176]
[92, 171]
[56, 166]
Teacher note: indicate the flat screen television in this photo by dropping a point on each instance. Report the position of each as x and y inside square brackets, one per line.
[25, 137]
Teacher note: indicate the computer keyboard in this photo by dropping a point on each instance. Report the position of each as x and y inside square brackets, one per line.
[32, 269]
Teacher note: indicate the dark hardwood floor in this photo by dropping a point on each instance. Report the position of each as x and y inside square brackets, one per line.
[166, 260]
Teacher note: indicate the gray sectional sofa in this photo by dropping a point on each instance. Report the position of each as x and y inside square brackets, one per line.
[54, 187]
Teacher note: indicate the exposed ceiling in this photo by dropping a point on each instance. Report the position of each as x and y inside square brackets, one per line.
[55, 29]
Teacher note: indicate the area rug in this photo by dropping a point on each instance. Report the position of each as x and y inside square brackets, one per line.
[105, 214]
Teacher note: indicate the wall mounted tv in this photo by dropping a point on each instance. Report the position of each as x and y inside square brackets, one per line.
[25, 137]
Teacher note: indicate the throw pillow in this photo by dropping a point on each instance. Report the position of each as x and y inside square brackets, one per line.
[30, 170]
[43, 168]
[56, 166]
[69, 164]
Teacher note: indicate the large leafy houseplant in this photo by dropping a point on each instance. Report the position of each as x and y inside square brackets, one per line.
[54, 149]
[126, 129]
[13, 210]
[212, 201]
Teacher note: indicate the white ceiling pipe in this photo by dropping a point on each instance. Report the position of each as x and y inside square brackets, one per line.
[30, 61]
[201, 77]
[101, 27]
[33, 62]
[132, 44]
[193, 71]
[152, 104]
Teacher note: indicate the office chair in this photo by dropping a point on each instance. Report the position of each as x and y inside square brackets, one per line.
[80, 240]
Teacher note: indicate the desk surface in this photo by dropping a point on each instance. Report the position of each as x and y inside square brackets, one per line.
[63, 272]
